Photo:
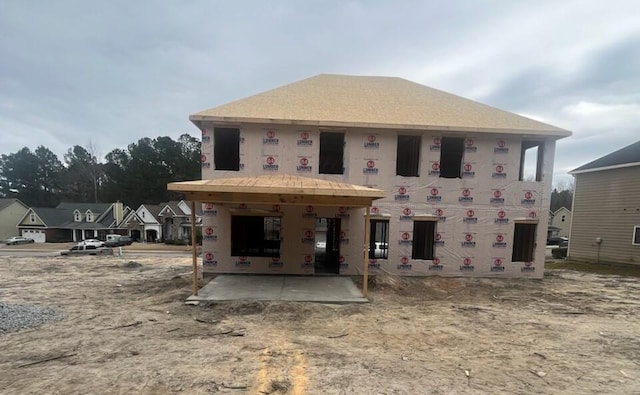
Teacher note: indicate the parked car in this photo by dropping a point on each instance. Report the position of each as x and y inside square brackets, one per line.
[114, 241]
[117, 241]
[554, 241]
[561, 250]
[87, 250]
[18, 240]
[92, 242]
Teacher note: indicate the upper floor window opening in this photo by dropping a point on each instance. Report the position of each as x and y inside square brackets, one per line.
[408, 156]
[451, 153]
[226, 149]
[531, 156]
[331, 153]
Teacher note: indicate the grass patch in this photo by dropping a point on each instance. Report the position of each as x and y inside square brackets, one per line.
[601, 268]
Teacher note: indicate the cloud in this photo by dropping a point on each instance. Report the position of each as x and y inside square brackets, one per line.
[113, 72]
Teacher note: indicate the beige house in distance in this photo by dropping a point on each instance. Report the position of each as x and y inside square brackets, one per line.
[561, 219]
[606, 209]
[449, 186]
[11, 212]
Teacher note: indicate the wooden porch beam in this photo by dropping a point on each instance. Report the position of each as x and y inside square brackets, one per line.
[194, 247]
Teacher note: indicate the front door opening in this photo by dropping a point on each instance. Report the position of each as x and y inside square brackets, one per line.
[327, 250]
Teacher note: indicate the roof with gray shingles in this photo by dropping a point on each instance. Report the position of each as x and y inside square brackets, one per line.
[372, 102]
[53, 217]
[154, 209]
[96, 208]
[62, 216]
[627, 155]
[174, 205]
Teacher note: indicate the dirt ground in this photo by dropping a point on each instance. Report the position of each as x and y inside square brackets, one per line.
[126, 329]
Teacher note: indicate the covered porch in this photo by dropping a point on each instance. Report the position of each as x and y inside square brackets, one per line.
[282, 191]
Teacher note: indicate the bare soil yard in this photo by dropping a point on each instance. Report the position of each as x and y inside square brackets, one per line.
[126, 329]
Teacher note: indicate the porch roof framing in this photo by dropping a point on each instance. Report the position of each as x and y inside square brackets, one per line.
[279, 189]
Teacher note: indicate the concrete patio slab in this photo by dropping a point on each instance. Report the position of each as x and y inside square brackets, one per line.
[282, 288]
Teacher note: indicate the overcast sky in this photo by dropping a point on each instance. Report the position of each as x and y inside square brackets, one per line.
[111, 72]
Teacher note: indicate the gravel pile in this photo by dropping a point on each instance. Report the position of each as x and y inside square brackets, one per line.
[14, 317]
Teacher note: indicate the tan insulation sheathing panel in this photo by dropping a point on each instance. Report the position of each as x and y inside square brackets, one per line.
[476, 213]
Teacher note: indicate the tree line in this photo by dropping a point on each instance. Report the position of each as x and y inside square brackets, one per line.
[562, 196]
[135, 175]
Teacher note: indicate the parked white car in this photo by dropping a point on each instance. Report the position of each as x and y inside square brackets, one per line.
[92, 242]
[18, 240]
[87, 250]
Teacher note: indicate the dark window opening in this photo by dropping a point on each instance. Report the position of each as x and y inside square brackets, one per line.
[424, 237]
[226, 148]
[331, 153]
[255, 236]
[379, 239]
[531, 161]
[408, 156]
[524, 243]
[636, 236]
[451, 151]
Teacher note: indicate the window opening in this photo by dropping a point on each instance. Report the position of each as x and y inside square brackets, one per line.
[531, 161]
[451, 152]
[226, 148]
[424, 233]
[255, 236]
[379, 239]
[636, 236]
[408, 156]
[524, 242]
[331, 153]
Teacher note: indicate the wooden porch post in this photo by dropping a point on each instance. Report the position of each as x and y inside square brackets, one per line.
[367, 231]
[194, 247]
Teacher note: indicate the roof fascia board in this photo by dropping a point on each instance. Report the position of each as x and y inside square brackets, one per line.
[236, 121]
[605, 168]
[155, 220]
[30, 210]
[165, 208]
[130, 215]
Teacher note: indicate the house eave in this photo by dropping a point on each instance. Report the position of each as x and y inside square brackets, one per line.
[622, 166]
[237, 121]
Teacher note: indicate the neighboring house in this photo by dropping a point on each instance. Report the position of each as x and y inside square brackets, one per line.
[464, 187]
[606, 208]
[144, 224]
[72, 222]
[11, 212]
[561, 220]
[161, 222]
[175, 217]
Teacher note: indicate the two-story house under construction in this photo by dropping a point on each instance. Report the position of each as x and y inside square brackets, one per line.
[450, 186]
